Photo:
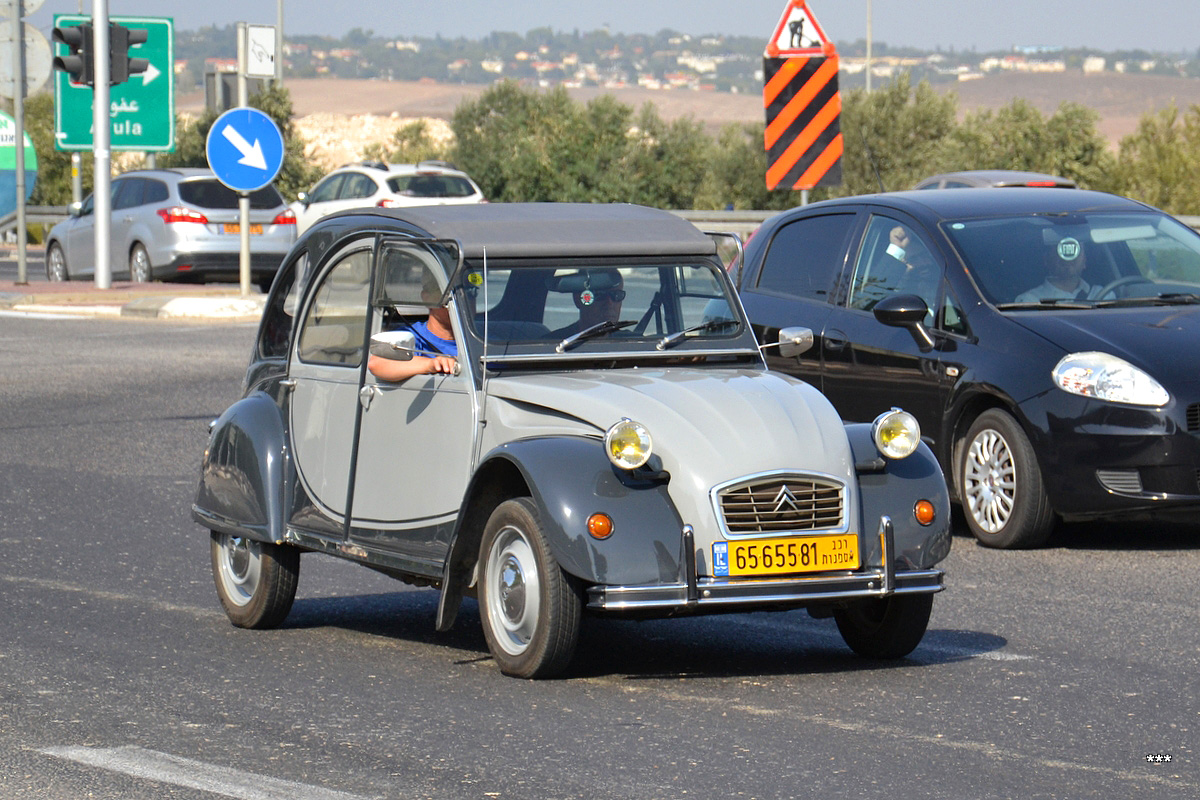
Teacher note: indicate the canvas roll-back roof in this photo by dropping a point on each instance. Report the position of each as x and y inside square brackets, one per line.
[564, 230]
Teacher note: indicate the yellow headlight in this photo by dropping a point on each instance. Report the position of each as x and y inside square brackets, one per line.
[896, 433]
[627, 444]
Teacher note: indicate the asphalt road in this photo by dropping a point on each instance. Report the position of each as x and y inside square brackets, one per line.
[1066, 672]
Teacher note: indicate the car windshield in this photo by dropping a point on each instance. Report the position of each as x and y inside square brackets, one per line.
[630, 307]
[209, 193]
[1080, 260]
[431, 186]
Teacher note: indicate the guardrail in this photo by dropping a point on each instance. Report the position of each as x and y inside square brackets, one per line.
[34, 215]
[740, 222]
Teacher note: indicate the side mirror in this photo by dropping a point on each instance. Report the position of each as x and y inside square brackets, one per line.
[906, 311]
[75, 209]
[394, 345]
[795, 341]
[302, 198]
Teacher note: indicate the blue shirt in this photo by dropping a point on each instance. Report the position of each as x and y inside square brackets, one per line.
[428, 342]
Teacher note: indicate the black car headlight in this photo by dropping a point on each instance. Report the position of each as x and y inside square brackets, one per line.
[1106, 377]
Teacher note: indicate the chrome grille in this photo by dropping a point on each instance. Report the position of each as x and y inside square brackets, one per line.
[776, 505]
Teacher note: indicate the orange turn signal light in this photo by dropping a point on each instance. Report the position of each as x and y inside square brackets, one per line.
[600, 526]
[924, 512]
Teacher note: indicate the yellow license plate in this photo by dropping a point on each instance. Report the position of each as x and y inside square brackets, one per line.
[784, 556]
[233, 227]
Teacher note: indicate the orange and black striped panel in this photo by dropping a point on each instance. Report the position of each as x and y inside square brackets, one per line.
[803, 136]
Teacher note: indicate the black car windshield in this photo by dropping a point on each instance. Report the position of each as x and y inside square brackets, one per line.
[1079, 260]
[614, 305]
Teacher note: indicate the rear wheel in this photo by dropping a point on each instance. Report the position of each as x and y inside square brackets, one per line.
[530, 607]
[56, 264]
[139, 265]
[1003, 495]
[890, 627]
[256, 581]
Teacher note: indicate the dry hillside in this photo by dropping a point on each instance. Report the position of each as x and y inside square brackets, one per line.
[339, 118]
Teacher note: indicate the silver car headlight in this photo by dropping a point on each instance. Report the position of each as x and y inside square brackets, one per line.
[627, 444]
[1106, 377]
[896, 433]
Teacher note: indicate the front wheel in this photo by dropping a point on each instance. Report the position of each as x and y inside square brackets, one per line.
[56, 264]
[1003, 496]
[530, 607]
[256, 581]
[139, 265]
[890, 627]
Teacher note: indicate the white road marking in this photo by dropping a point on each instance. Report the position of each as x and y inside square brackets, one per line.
[164, 768]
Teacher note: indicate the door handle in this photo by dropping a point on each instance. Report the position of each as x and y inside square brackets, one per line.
[366, 394]
[833, 342]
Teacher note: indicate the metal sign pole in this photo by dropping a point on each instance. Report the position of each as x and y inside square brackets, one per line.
[101, 139]
[19, 142]
[243, 197]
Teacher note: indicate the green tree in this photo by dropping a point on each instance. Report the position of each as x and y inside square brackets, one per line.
[53, 185]
[411, 144]
[1159, 163]
[1018, 136]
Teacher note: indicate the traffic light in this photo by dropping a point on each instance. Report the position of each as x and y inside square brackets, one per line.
[121, 66]
[79, 62]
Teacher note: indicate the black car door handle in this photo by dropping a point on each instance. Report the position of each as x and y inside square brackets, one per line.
[835, 341]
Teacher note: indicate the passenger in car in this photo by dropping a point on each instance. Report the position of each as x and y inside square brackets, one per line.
[598, 299]
[434, 339]
[1065, 262]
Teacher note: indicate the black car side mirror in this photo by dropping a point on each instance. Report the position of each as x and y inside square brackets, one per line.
[906, 311]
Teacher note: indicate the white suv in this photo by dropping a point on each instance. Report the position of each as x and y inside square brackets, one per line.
[429, 183]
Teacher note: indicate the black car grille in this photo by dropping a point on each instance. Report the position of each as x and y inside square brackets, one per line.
[1193, 418]
[777, 505]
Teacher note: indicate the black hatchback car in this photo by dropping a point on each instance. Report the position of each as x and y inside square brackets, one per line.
[1047, 340]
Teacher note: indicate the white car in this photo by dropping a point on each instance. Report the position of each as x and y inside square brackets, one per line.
[429, 183]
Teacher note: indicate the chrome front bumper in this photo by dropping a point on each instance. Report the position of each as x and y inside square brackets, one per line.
[696, 594]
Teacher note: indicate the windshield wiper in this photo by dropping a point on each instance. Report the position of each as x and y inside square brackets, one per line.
[1170, 299]
[674, 338]
[599, 329]
[1048, 303]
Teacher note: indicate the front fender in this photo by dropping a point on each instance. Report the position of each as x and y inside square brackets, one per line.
[243, 474]
[892, 488]
[569, 478]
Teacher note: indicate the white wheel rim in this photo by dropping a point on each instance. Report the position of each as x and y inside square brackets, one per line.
[58, 265]
[513, 591]
[140, 269]
[240, 568]
[990, 481]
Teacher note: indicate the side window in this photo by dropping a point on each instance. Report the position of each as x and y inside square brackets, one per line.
[156, 192]
[333, 330]
[953, 320]
[805, 256]
[357, 185]
[327, 189]
[893, 260]
[127, 193]
[280, 316]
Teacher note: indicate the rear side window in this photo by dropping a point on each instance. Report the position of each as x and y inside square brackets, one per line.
[216, 195]
[431, 186]
[333, 330]
[805, 256]
[156, 192]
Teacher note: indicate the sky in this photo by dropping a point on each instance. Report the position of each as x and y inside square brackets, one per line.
[1156, 25]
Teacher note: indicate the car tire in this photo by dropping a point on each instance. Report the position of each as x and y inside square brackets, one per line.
[56, 264]
[888, 628]
[529, 606]
[140, 270]
[1000, 485]
[256, 581]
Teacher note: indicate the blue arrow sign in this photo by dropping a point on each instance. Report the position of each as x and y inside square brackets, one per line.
[245, 149]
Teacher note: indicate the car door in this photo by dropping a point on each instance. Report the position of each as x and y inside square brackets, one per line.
[796, 283]
[868, 367]
[127, 196]
[319, 201]
[80, 240]
[417, 437]
[325, 368]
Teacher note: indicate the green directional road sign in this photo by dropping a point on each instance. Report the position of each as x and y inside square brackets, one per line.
[142, 110]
